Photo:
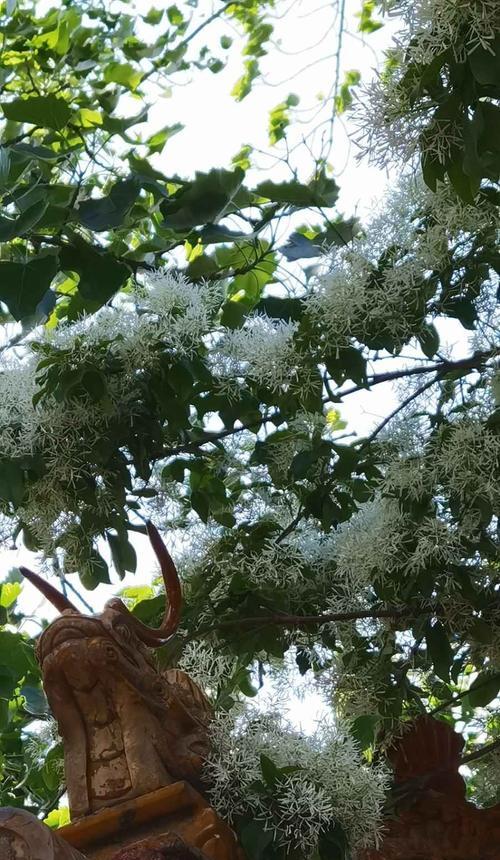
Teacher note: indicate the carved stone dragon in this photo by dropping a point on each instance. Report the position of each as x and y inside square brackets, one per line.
[127, 728]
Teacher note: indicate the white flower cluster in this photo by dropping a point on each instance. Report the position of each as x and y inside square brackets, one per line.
[263, 350]
[468, 462]
[380, 540]
[207, 666]
[435, 25]
[390, 121]
[310, 567]
[464, 462]
[352, 693]
[275, 566]
[166, 309]
[349, 302]
[185, 311]
[65, 435]
[486, 780]
[330, 786]
[168, 312]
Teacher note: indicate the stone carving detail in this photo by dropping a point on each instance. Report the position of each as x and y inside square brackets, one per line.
[127, 729]
[435, 821]
[23, 837]
[154, 849]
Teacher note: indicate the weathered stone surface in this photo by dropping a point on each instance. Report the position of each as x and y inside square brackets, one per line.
[434, 821]
[176, 815]
[154, 849]
[127, 729]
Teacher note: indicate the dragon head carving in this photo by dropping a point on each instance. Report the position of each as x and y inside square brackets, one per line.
[127, 729]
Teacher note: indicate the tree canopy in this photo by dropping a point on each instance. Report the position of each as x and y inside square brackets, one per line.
[168, 353]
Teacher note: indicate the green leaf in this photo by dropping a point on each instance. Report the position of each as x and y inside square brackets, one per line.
[10, 227]
[302, 464]
[8, 682]
[9, 593]
[101, 275]
[225, 518]
[12, 482]
[303, 660]
[245, 684]
[175, 16]
[299, 247]
[243, 85]
[119, 125]
[35, 701]
[105, 213]
[254, 839]
[95, 571]
[175, 470]
[51, 770]
[463, 184]
[154, 16]
[270, 771]
[23, 285]
[439, 650]
[44, 111]
[485, 63]
[333, 844]
[158, 140]
[95, 383]
[429, 340]
[347, 363]
[321, 192]
[484, 689]
[200, 503]
[367, 24]
[344, 99]
[16, 654]
[57, 818]
[242, 157]
[363, 730]
[463, 310]
[123, 554]
[432, 170]
[206, 199]
[124, 74]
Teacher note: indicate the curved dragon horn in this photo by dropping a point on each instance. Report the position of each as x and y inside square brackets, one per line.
[60, 601]
[155, 637]
[173, 589]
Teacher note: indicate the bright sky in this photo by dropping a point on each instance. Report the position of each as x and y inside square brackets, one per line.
[302, 60]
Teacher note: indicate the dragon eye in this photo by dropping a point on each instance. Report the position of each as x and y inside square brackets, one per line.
[124, 633]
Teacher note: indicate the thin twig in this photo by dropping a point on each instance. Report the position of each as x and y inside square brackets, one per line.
[454, 699]
[482, 751]
[291, 526]
[396, 411]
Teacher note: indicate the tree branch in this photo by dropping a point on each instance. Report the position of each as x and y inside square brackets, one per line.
[398, 409]
[286, 620]
[451, 702]
[482, 751]
[471, 362]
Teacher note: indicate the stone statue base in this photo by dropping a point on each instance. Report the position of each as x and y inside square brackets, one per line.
[176, 818]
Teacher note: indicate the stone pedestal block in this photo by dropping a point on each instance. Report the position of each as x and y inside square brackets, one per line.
[175, 818]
